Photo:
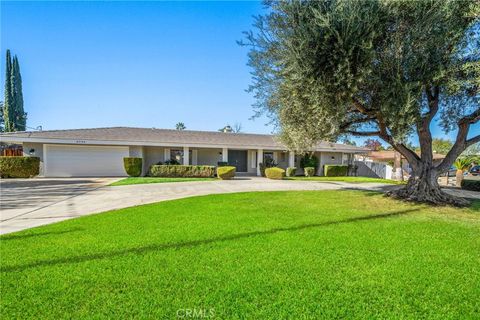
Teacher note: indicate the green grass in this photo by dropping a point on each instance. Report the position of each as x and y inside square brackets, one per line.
[346, 179]
[144, 180]
[265, 255]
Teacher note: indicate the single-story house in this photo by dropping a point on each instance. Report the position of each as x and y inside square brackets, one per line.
[389, 156]
[100, 151]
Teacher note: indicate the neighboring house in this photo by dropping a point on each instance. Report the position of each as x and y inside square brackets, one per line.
[389, 156]
[380, 164]
[100, 151]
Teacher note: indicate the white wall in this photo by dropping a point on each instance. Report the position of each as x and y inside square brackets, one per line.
[152, 155]
[38, 152]
[208, 157]
[326, 158]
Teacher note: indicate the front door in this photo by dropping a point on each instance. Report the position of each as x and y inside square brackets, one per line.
[238, 159]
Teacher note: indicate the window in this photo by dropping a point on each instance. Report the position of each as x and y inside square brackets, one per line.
[267, 157]
[176, 155]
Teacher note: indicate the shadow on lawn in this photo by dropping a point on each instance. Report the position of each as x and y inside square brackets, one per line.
[194, 243]
[39, 234]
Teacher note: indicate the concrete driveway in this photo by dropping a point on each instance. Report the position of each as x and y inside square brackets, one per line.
[24, 203]
[29, 203]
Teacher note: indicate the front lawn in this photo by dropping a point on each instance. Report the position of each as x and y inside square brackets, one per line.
[143, 180]
[346, 179]
[264, 255]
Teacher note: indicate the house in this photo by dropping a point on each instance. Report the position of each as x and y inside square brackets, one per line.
[389, 156]
[380, 164]
[100, 151]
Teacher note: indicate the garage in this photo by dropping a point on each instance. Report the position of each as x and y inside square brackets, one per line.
[84, 161]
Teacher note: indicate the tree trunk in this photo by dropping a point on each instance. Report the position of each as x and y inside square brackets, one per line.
[423, 187]
[459, 178]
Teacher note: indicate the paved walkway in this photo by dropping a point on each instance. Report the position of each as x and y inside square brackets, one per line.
[29, 203]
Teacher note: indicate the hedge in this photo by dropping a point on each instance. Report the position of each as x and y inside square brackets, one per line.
[19, 167]
[226, 173]
[469, 184]
[291, 171]
[309, 171]
[133, 166]
[335, 170]
[181, 171]
[275, 173]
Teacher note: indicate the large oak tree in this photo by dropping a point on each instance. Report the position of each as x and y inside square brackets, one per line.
[385, 68]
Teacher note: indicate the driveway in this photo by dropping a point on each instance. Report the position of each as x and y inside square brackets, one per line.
[30, 203]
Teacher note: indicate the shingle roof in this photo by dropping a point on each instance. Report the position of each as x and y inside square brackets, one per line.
[168, 136]
[386, 155]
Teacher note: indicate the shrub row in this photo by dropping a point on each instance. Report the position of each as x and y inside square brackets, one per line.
[19, 167]
[133, 166]
[275, 173]
[226, 172]
[180, 171]
[335, 170]
[469, 184]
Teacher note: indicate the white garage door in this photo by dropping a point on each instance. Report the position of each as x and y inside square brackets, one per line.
[84, 161]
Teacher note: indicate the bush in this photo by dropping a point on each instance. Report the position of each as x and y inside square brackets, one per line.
[275, 173]
[133, 166]
[309, 161]
[180, 171]
[226, 173]
[335, 170]
[269, 163]
[309, 171]
[222, 164]
[470, 184]
[172, 162]
[19, 167]
[291, 171]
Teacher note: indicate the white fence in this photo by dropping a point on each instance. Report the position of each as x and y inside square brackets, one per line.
[374, 169]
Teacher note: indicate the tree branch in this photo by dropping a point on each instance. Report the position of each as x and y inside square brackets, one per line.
[432, 99]
[363, 133]
[361, 108]
[473, 140]
[347, 124]
[461, 142]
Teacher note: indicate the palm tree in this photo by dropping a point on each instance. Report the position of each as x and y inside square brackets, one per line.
[180, 126]
[461, 164]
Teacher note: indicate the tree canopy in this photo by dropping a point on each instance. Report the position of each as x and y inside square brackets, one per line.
[324, 69]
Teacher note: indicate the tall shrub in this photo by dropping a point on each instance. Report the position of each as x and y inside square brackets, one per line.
[133, 166]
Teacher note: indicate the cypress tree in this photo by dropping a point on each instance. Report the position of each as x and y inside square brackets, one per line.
[8, 112]
[20, 115]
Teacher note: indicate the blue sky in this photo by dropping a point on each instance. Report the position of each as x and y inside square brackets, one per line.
[143, 64]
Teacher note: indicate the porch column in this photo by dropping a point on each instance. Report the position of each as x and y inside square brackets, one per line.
[186, 156]
[275, 157]
[291, 159]
[166, 154]
[259, 160]
[194, 157]
[225, 155]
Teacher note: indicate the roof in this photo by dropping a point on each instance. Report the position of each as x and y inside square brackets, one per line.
[166, 137]
[386, 155]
